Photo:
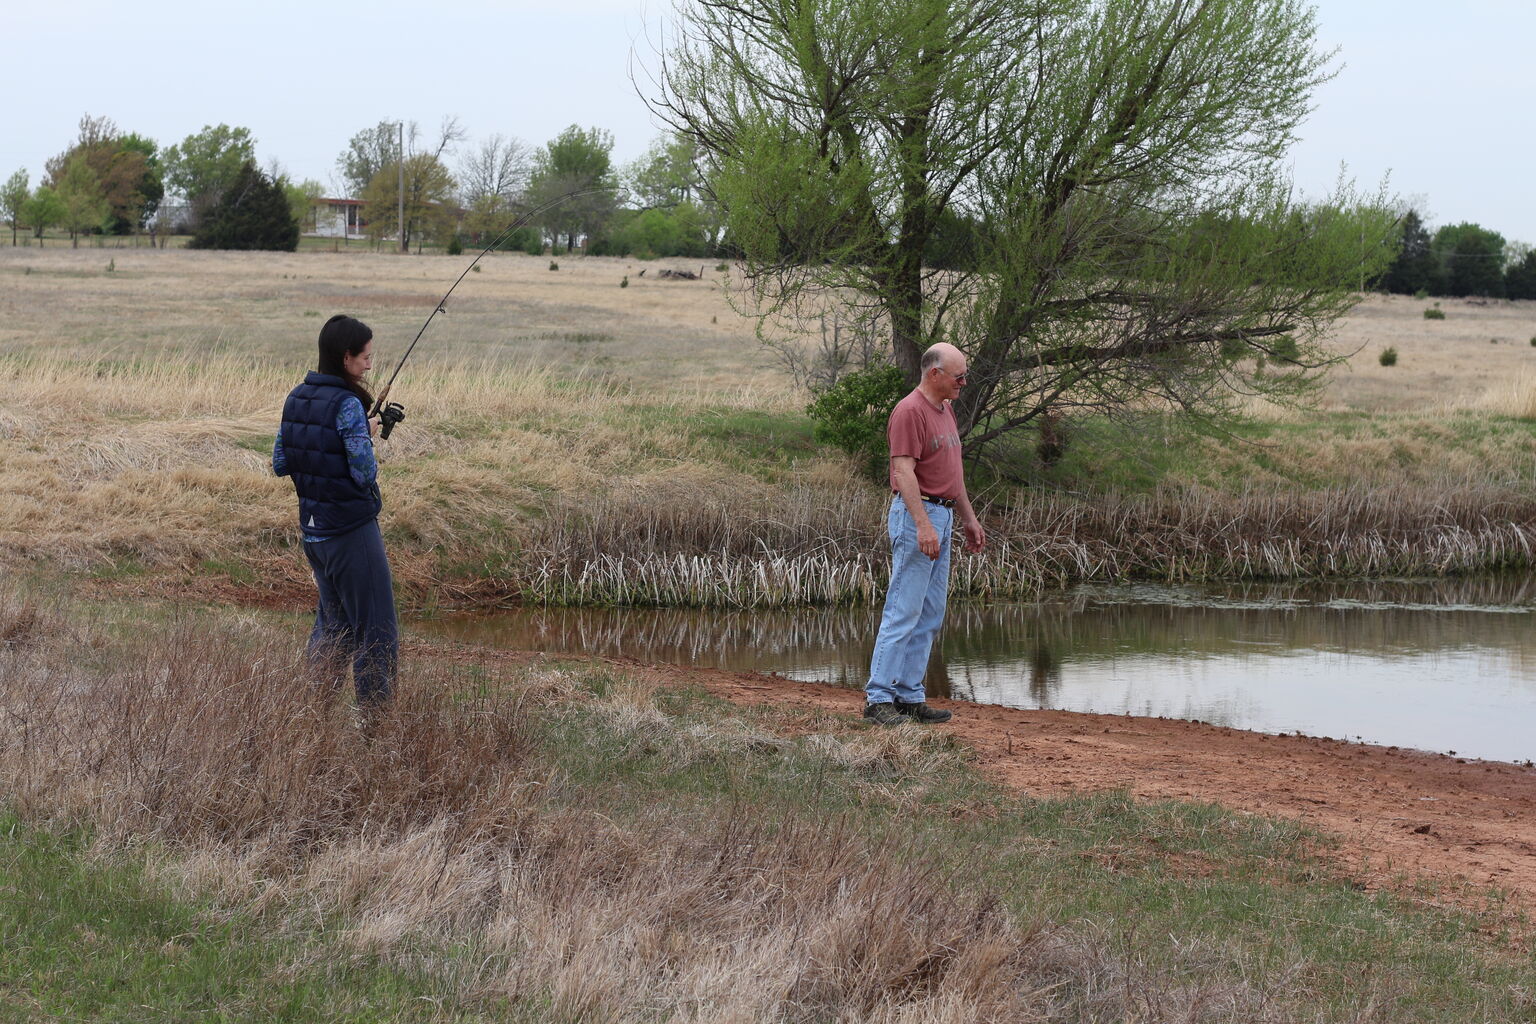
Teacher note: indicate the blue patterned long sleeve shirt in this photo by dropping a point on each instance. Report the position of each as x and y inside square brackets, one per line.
[352, 425]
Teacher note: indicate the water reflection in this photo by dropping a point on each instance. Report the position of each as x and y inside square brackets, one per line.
[1443, 665]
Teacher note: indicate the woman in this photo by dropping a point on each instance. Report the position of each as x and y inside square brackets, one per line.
[325, 443]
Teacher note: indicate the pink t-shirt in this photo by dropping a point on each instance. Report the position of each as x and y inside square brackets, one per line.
[932, 437]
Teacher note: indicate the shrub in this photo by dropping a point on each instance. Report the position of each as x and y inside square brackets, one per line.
[852, 413]
[1533, 343]
[624, 283]
[455, 246]
[721, 267]
[553, 265]
[1421, 294]
[1388, 357]
[1434, 313]
[253, 213]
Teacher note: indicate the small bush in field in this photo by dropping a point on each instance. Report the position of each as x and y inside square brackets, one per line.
[1388, 357]
[1434, 313]
[553, 265]
[624, 283]
[1533, 343]
[455, 246]
[1421, 294]
[720, 267]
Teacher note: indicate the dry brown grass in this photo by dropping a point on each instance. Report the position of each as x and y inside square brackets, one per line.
[549, 452]
[442, 827]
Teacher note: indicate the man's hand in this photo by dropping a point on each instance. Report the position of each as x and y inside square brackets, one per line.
[975, 536]
[927, 538]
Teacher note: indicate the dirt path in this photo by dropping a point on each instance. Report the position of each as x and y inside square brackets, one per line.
[1401, 814]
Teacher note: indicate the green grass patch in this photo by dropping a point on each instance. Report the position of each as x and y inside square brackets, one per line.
[86, 938]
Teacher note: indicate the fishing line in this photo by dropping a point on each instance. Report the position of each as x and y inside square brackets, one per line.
[393, 412]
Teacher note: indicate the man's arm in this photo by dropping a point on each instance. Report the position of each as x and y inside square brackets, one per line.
[975, 536]
[904, 477]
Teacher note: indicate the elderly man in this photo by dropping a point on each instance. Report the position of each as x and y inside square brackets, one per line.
[929, 485]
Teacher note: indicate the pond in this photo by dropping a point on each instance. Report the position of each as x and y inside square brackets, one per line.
[1447, 666]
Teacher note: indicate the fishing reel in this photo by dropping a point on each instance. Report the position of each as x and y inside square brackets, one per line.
[389, 415]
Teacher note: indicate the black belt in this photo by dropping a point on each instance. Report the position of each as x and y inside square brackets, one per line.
[942, 502]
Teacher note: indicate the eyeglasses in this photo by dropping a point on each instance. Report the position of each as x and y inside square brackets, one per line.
[959, 377]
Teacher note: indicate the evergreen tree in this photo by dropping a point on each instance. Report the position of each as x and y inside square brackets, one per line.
[1415, 268]
[1520, 278]
[252, 213]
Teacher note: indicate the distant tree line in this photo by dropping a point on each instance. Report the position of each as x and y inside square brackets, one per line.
[1459, 260]
[568, 192]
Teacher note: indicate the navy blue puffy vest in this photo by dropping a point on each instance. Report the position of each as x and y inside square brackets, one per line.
[330, 501]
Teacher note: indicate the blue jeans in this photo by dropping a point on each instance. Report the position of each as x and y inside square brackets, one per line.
[356, 615]
[914, 607]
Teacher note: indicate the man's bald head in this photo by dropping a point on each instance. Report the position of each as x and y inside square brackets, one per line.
[943, 355]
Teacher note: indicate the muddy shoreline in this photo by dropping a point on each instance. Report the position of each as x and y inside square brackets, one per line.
[1401, 817]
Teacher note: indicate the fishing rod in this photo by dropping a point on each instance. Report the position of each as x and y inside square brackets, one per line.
[392, 413]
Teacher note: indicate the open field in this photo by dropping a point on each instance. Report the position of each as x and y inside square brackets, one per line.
[538, 840]
[576, 441]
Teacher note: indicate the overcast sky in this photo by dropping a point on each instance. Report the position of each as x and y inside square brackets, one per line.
[1437, 95]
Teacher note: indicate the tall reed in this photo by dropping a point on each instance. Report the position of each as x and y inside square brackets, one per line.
[819, 546]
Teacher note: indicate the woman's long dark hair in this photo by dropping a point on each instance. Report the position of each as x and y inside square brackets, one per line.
[344, 336]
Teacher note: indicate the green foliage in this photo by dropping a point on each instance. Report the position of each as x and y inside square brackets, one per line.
[127, 172]
[429, 193]
[42, 210]
[301, 199]
[1434, 313]
[577, 164]
[252, 213]
[13, 199]
[675, 231]
[1471, 260]
[1520, 278]
[206, 163]
[1388, 357]
[852, 413]
[624, 283]
[455, 246]
[1415, 269]
[369, 152]
[1102, 187]
[553, 265]
[83, 206]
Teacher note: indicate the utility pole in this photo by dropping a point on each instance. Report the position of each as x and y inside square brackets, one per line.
[404, 247]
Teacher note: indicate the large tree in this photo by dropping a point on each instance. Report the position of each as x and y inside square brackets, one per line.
[383, 148]
[42, 210]
[1104, 175]
[13, 199]
[206, 163]
[573, 177]
[82, 203]
[493, 179]
[125, 167]
[1471, 259]
[429, 192]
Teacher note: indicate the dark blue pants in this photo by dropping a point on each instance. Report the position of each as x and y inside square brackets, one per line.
[356, 617]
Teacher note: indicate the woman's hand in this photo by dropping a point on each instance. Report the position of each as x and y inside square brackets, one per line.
[373, 427]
